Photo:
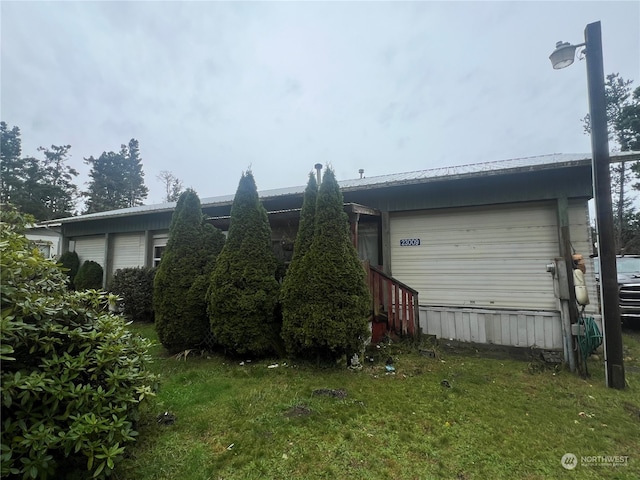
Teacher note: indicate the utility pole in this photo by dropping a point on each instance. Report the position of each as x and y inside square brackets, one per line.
[609, 294]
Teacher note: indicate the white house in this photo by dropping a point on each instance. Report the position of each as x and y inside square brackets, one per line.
[473, 240]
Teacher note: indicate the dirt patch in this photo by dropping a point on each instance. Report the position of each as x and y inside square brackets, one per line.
[327, 392]
[298, 411]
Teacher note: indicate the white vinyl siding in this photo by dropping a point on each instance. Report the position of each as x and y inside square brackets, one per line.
[90, 248]
[478, 257]
[501, 327]
[47, 242]
[128, 250]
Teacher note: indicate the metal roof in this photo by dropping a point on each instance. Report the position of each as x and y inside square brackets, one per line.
[514, 165]
[471, 170]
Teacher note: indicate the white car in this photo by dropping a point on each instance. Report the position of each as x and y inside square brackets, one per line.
[628, 267]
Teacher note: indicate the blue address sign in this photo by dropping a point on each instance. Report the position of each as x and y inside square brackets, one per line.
[409, 242]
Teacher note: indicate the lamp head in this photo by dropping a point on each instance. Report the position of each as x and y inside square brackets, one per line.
[563, 55]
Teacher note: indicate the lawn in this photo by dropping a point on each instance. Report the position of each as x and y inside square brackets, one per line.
[458, 416]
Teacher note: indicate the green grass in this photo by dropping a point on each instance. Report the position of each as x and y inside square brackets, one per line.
[498, 420]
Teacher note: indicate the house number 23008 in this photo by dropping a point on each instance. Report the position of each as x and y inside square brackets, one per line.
[409, 242]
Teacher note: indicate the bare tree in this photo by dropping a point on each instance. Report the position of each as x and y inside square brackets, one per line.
[172, 186]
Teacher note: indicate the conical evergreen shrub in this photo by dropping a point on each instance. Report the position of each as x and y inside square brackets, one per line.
[213, 242]
[89, 276]
[71, 262]
[338, 299]
[295, 287]
[243, 292]
[180, 284]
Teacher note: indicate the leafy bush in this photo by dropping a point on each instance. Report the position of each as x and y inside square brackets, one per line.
[71, 262]
[244, 291]
[135, 287]
[89, 276]
[181, 282]
[73, 377]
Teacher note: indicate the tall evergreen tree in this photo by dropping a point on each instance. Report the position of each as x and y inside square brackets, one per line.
[136, 191]
[628, 124]
[243, 293]
[44, 187]
[181, 281]
[338, 298]
[11, 163]
[624, 134]
[105, 190]
[32, 195]
[48, 190]
[294, 287]
[117, 180]
[60, 192]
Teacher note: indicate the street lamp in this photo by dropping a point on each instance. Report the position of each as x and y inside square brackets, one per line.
[562, 57]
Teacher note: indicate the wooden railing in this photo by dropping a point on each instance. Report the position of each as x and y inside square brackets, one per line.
[395, 300]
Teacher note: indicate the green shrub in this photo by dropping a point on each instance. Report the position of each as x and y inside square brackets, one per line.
[181, 281]
[337, 302]
[294, 287]
[89, 276]
[73, 377]
[244, 291]
[71, 262]
[135, 287]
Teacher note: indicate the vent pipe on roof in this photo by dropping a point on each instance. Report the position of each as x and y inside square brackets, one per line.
[318, 167]
[361, 172]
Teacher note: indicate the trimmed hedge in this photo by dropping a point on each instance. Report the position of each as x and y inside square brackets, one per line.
[89, 276]
[135, 287]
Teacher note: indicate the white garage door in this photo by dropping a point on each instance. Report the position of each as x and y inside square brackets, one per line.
[90, 248]
[128, 250]
[490, 257]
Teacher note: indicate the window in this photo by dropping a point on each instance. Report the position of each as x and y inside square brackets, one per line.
[628, 264]
[157, 254]
[45, 249]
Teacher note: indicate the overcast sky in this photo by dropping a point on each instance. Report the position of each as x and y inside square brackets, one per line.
[212, 88]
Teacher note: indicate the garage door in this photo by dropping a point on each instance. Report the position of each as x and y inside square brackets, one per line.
[488, 257]
[90, 248]
[128, 250]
